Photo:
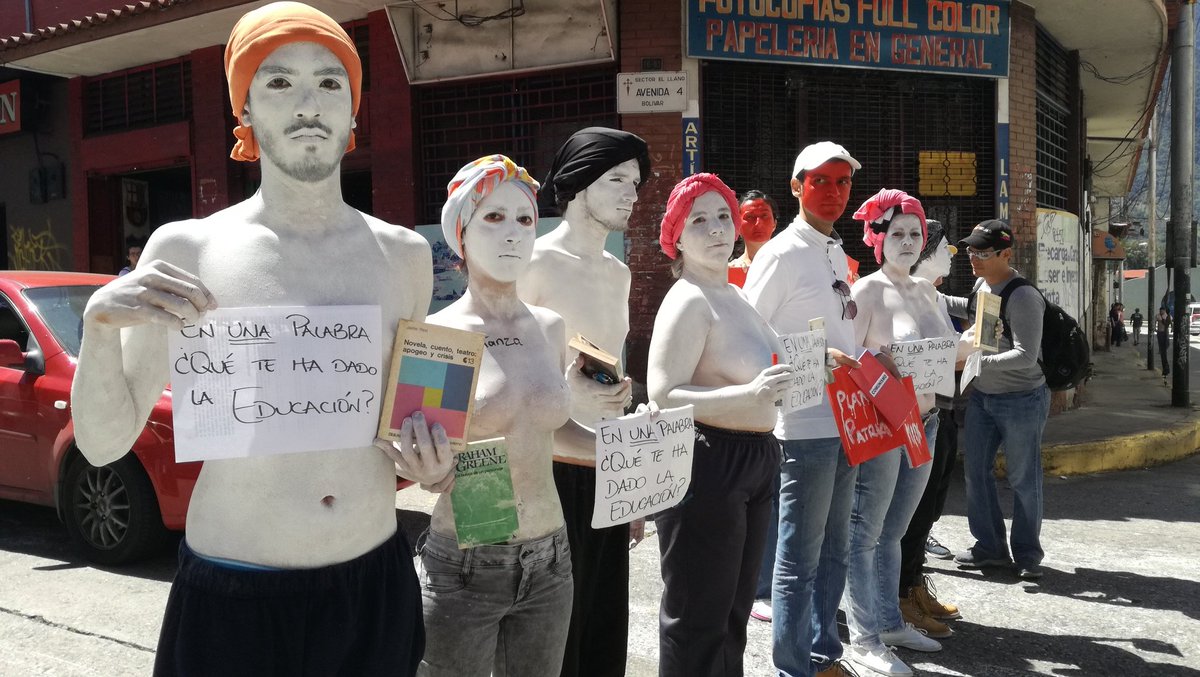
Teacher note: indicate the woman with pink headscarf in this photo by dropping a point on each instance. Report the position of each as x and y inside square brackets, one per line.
[503, 608]
[712, 350]
[892, 306]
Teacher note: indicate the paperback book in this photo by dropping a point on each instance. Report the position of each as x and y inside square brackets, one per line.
[434, 370]
[485, 510]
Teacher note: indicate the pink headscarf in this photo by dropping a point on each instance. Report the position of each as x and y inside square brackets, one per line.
[679, 205]
[880, 207]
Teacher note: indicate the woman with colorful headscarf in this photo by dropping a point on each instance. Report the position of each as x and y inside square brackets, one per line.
[892, 306]
[712, 350]
[503, 608]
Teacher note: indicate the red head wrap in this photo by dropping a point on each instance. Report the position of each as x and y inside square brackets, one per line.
[679, 205]
[880, 207]
[260, 32]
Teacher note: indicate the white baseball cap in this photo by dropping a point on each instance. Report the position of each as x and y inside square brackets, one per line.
[819, 153]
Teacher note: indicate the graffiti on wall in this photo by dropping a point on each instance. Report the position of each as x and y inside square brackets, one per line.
[35, 250]
[1059, 259]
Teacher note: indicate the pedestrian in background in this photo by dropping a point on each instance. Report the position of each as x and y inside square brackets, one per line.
[1162, 330]
[1136, 318]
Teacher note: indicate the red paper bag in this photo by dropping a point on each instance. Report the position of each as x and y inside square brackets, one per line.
[865, 433]
[885, 391]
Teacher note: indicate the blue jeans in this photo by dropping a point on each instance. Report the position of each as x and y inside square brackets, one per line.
[766, 572]
[910, 487]
[1015, 420]
[816, 491]
[872, 496]
[500, 610]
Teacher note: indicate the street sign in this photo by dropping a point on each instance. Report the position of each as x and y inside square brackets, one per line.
[652, 92]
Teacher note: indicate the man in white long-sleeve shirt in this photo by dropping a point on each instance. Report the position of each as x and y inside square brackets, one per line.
[1008, 407]
[799, 276]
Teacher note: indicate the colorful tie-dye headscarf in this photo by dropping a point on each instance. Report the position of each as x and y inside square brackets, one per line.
[475, 181]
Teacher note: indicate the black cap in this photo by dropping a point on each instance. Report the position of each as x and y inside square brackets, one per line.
[991, 234]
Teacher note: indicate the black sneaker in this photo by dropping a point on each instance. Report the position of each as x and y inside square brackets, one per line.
[935, 549]
[970, 560]
[1029, 572]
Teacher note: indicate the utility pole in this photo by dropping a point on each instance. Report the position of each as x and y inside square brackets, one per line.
[1183, 120]
[1152, 222]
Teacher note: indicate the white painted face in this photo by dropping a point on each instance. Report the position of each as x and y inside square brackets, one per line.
[937, 265]
[498, 239]
[902, 244]
[299, 109]
[708, 232]
[609, 199]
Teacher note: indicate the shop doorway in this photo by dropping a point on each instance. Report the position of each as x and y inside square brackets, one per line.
[124, 208]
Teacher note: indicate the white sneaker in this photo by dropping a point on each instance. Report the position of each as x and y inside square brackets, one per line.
[910, 638]
[880, 661]
[761, 611]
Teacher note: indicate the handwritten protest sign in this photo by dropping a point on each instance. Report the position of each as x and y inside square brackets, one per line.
[260, 381]
[643, 465]
[864, 432]
[805, 351]
[929, 361]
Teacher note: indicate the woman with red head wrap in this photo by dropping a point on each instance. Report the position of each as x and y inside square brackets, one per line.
[711, 350]
[893, 306]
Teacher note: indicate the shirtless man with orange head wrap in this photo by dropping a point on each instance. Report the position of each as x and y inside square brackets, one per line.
[292, 564]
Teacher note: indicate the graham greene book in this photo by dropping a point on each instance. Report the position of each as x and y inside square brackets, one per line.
[434, 370]
[485, 510]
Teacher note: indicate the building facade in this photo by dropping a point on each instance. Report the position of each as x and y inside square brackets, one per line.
[981, 108]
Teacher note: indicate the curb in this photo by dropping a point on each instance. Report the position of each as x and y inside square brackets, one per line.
[1124, 452]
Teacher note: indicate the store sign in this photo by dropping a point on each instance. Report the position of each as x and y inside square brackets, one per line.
[962, 37]
[10, 107]
[652, 92]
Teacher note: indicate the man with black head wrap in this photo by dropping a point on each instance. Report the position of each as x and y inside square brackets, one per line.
[593, 183]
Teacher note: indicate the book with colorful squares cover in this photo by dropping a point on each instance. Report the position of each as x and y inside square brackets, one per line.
[485, 509]
[434, 370]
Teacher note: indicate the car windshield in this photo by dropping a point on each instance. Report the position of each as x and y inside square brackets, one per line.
[61, 309]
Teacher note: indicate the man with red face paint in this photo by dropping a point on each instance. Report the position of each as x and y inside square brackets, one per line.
[758, 225]
[799, 276]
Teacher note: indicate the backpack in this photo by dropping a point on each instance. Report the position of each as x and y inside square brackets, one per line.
[1066, 355]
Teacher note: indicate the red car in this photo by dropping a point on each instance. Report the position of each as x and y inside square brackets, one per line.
[118, 512]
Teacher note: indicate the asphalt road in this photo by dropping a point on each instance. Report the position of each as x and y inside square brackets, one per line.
[1121, 595]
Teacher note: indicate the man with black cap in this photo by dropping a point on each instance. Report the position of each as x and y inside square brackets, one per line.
[593, 183]
[1008, 407]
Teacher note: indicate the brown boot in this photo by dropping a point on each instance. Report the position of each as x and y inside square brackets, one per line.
[926, 598]
[838, 669]
[912, 613]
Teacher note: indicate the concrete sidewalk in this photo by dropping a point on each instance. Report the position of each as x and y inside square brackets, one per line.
[1125, 419]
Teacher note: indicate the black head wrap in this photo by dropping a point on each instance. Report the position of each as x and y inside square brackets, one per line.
[585, 157]
[935, 231]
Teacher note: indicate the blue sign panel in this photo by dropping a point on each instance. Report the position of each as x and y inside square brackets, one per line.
[691, 146]
[962, 37]
[1002, 178]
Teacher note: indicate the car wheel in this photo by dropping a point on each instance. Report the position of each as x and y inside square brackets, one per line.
[111, 511]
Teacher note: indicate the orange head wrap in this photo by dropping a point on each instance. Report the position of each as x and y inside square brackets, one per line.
[262, 31]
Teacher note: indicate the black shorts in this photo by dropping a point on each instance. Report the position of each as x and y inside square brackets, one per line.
[361, 617]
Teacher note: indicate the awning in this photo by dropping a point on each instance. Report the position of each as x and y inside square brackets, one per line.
[1122, 52]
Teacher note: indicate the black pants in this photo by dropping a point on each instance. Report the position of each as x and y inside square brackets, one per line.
[1137, 332]
[712, 547]
[599, 632]
[1162, 353]
[933, 501]
[357, 618]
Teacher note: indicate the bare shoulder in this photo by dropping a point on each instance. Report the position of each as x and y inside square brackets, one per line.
[685, 300]
[548, 320]
[869, 286]
[400, 241]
